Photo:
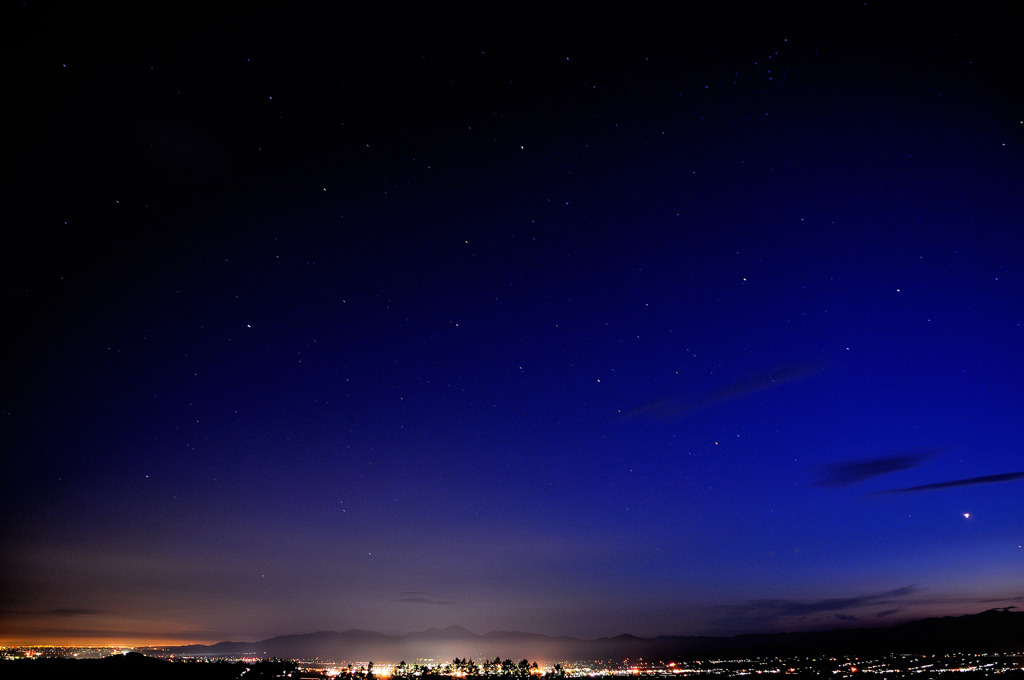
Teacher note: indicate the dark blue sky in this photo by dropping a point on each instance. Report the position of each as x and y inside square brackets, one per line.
[560, 323]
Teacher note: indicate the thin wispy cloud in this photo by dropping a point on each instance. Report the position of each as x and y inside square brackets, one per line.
[854, 472]
[769, 613]
[419, 597]
[781, 607]
[668, 408]
[969, 481]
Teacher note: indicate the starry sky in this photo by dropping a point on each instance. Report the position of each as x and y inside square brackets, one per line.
[574, 323]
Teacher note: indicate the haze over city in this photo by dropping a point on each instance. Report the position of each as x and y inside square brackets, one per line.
[573, 323]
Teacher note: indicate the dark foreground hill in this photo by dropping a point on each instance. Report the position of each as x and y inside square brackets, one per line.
[996, 630]
[135, 666]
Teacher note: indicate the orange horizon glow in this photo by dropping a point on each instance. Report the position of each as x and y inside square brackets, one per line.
[119, 643]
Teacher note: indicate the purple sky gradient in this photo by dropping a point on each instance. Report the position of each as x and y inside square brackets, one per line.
[549, 323]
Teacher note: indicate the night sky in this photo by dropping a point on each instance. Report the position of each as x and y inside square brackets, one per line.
[516, 319]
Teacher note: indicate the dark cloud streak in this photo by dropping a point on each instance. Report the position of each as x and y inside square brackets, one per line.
[801, 608]
[969, 481]
[888, 612]
[766, 613]
[424, 600]
[668, 408]
[74, 611]
[853, 472]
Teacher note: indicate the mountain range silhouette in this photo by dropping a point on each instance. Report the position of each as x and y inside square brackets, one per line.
[995, 630]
